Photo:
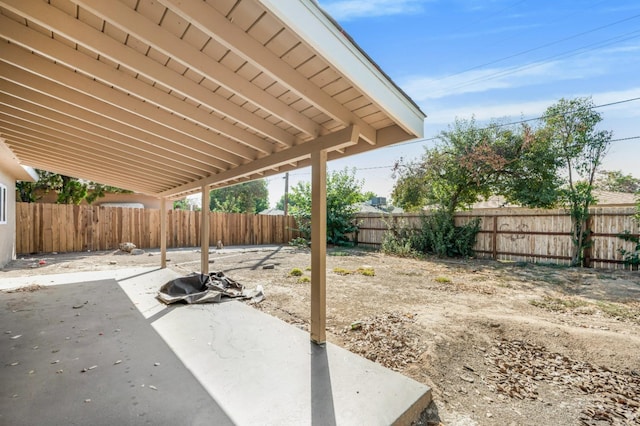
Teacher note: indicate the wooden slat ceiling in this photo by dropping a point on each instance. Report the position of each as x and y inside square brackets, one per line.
[165, 96]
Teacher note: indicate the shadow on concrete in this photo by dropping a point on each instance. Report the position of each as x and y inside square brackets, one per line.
[322, 409]
[83, 354]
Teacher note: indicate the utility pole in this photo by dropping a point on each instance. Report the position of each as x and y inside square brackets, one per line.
[286, 193]
[286, 205]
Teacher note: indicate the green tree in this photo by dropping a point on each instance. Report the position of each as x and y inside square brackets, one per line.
[343, 191]
[616, 181]
[570, 128]
[247, 197]
[186, 204]
[69, 190]
[470, 162]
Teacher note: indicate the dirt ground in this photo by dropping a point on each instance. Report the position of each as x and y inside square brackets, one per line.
[500, 343]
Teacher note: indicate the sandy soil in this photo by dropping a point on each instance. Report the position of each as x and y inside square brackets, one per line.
[499, 343]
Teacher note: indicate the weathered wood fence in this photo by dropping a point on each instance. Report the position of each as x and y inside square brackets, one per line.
[46, 228]
[526, 234]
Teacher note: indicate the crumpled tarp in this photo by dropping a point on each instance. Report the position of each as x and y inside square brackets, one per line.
[202, 288]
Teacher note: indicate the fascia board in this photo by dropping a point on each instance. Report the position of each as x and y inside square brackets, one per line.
[305, 18]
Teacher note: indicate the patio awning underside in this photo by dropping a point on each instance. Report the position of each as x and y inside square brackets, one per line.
[165, 97]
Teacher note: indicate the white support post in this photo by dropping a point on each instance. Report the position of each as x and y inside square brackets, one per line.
[204, 231]
[318, 246]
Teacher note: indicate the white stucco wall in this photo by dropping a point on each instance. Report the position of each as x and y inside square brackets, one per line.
[8, 230]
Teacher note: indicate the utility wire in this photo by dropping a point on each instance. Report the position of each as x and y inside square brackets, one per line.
[533, 49]
[433, 138]
[563, 55]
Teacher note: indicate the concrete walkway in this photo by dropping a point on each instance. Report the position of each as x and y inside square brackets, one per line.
[233, 364]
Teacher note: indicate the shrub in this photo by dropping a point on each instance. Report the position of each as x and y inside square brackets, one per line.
[440, 236]
[367, 272]
[295, 272]
[341, 271]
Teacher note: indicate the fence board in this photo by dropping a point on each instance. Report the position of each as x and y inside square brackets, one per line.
[45, 228]
[523, 234]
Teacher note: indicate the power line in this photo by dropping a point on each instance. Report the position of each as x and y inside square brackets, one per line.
[563, 55]
[433, 138]
[515, 55]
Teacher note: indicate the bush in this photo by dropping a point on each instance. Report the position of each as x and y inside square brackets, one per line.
[438, 235]
[399, 240]
[295, 272]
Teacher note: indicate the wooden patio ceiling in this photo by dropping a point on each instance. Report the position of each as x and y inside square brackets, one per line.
[167, 97]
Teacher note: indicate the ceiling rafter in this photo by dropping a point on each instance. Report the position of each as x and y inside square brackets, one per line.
[129, 20]
[218, 27]
[36, 88]
[77, 146]
[61, 53]
[84, 35]
[118, 104]
[35, 115]
[342, 138]
[26, 147]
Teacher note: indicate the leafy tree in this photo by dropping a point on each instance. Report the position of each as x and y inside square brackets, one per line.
[247, 197]
[185, 204]
[343, 191]
[368, 195]
[616, 181]
[69, 190]
[570, 128]
[470, 163]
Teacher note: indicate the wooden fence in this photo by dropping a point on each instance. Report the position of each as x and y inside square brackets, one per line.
[526, 234]
[46, 228]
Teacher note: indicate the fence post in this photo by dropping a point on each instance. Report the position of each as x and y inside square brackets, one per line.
[587, 261]
[494, 240]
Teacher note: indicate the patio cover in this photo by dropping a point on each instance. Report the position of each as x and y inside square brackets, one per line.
[173, 97]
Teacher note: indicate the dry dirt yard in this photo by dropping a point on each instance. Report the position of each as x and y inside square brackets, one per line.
[499, 343]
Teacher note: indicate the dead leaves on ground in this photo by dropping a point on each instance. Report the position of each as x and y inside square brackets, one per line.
[386, 339]
[517, 367]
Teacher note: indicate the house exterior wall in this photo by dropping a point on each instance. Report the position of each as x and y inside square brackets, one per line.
[8, 229]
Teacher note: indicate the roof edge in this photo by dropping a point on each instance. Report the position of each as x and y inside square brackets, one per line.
[325, 36]
[10, 164]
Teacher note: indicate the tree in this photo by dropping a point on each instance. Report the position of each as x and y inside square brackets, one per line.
[470, 163]
[343, 191]
[186, 204]
[69, 190]
[570, 128]
[616, 181]
[247, 197]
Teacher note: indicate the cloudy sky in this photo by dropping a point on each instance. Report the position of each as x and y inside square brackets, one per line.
[496, 59]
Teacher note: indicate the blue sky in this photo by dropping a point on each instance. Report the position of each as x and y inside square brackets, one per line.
[496, 59]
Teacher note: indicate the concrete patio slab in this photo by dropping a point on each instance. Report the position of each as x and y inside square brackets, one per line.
[49, 336]
[252, 368]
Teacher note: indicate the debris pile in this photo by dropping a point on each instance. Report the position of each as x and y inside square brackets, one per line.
[518, 366]
[385, 339]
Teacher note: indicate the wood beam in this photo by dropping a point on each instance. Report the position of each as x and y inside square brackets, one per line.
[208, 20]
[204, 231]
[67, 86]
[76, 146]
[318, 246]
[100, 138]
[129, 21]
[117, 104]
[53, 49]
[339, 139]
[58, 22]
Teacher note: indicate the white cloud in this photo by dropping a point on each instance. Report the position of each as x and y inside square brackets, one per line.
[515, 110]
[591, 64]
[344, 10]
